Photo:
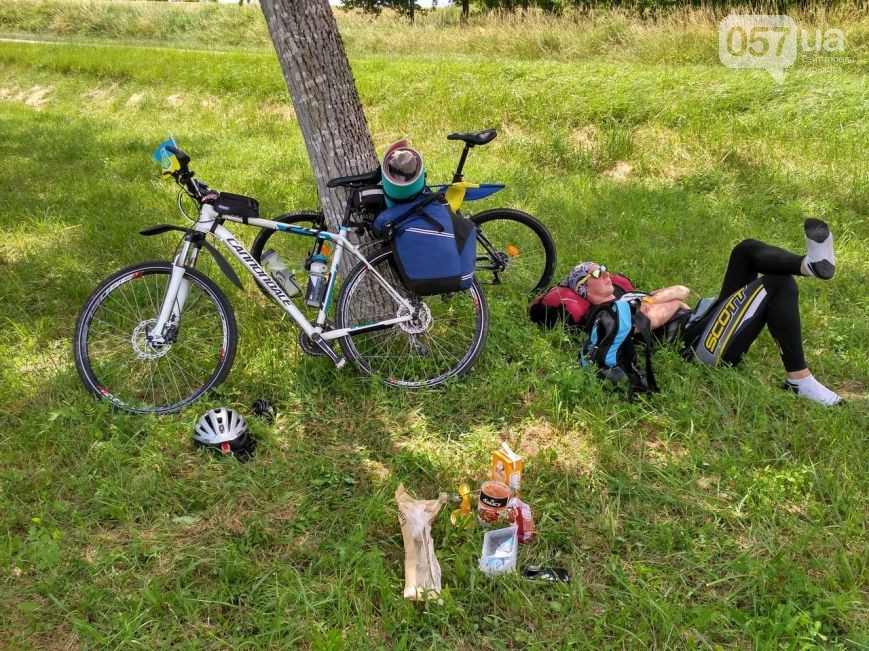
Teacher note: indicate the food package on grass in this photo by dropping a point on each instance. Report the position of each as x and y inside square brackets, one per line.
[520, 513]
[422, 572]
[507, 468]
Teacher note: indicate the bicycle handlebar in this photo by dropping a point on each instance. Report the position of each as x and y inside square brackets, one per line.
[184, 175]
[183, 159]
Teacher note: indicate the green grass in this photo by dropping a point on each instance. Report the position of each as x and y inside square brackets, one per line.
[676, 35]
[723, 512]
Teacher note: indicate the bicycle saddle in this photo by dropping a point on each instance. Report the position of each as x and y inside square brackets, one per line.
[475, 137]
[357, 180]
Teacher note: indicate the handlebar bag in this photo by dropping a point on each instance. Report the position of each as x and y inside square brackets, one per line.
[435, 250]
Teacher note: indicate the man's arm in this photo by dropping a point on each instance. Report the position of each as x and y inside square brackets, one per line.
[661, 313]
[667, 294]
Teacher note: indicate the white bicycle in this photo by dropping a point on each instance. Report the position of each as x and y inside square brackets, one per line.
[155, 336]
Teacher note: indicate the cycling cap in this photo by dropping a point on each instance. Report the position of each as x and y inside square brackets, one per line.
[403, 176]
[579, 272]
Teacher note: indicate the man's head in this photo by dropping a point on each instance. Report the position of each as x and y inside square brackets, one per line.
[592, 281]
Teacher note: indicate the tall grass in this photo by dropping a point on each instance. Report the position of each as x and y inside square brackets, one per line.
[678, 35]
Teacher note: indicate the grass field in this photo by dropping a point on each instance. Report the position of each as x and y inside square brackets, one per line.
[723, 513]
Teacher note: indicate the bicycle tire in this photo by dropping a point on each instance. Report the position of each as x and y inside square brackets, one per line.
[523, 246]
[113, 305]
[417, 355]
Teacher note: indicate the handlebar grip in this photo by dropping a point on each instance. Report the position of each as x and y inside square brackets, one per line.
[183, 159]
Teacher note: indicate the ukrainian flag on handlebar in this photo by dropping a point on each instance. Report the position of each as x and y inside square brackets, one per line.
[168, 161]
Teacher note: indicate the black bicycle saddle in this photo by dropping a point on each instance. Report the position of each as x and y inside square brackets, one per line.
[474, 137]
[356, 180]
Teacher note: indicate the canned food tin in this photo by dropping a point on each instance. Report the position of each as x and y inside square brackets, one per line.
[492, 507]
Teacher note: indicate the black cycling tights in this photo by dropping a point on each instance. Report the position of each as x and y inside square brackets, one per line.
[746, 303]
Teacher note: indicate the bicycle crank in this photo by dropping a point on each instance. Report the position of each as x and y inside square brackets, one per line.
[309, 347]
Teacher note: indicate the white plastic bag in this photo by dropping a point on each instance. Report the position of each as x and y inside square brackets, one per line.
[422, 572]
[499, 551]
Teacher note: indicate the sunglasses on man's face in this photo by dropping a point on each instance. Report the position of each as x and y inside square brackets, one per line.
[592, 274]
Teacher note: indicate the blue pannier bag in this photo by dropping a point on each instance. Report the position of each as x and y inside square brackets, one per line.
[435, 250]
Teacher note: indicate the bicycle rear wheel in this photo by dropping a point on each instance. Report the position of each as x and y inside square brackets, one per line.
[117, 362]
[513, 250]
[443, 341]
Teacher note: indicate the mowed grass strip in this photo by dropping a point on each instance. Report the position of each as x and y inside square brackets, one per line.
[722, 512]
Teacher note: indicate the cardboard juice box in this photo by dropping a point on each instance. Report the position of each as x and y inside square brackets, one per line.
[507, 467]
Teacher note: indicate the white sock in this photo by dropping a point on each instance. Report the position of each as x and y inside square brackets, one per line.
[820, 260]
[810, 388]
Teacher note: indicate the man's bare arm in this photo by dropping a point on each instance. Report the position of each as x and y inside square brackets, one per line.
[667, 294]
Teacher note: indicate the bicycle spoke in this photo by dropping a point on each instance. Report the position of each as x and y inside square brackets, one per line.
[514, 251]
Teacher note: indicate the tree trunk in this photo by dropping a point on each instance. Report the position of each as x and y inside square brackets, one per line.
[324, 94]
[327, 106]
[466, 8]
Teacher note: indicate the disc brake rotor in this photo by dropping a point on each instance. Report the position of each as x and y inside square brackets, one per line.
[144, 348]
[504, 258]
[419, 323]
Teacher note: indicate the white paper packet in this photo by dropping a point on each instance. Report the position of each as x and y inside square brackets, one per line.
[422, 572]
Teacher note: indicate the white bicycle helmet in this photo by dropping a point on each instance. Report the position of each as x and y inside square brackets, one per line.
[224, 430]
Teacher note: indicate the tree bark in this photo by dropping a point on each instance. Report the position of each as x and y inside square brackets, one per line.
[324, 94]
[466, 9]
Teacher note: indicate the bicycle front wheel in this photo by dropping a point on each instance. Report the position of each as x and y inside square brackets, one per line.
[514, 250]
[116, 359]
[443, 340]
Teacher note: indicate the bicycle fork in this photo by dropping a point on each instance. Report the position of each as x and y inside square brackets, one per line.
[169, 318]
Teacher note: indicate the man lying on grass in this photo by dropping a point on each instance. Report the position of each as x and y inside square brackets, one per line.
[744, 305]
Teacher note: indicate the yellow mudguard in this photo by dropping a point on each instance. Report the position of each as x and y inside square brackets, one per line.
[455, 194]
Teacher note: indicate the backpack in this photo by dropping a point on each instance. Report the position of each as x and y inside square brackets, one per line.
[435, 250]
[611, 345]
[561, 303]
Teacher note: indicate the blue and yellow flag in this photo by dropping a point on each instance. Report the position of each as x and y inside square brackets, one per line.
[168, 161]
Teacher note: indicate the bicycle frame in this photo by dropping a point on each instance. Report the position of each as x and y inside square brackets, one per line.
[210, 222]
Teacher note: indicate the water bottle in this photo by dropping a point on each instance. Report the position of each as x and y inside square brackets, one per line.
[317, 282]
[280, 273]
